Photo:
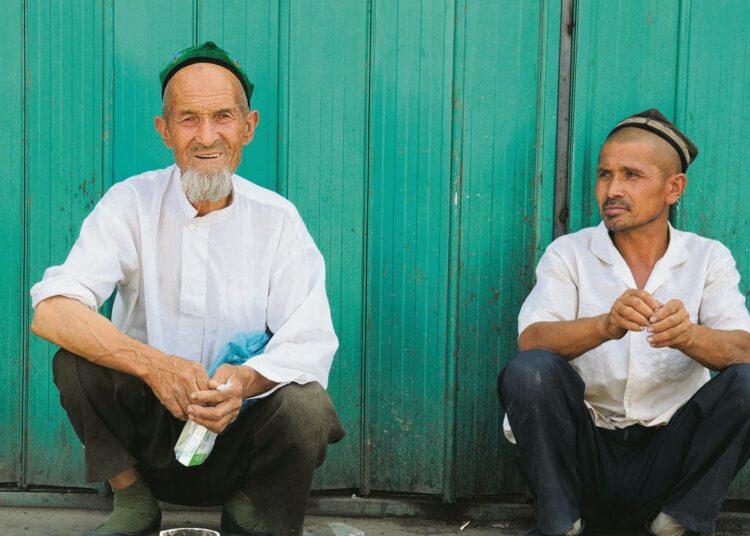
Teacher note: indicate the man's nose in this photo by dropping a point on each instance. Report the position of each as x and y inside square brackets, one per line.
[206, 134]
[615, 186]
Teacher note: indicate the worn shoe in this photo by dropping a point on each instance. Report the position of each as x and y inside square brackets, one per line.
[240, 518]
[666, 525]
[688, 532]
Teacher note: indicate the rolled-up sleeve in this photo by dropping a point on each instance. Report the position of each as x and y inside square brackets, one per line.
[722, 303]
[303, 343]
[555, 294]
[104, 255]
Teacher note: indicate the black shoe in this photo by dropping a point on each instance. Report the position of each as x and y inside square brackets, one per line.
[152, 527]
[230, 527]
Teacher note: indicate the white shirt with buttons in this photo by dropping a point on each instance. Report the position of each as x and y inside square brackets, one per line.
[188, 284]
[628, 381]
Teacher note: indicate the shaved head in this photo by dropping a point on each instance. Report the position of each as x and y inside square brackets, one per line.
[664, 154]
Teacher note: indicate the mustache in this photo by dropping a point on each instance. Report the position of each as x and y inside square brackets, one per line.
[219, 146]
[616, 203]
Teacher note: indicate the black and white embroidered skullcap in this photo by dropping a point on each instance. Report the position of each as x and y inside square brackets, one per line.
[655, 122]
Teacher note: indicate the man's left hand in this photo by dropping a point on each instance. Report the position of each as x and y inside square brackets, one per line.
[216, 409]
[670, 326]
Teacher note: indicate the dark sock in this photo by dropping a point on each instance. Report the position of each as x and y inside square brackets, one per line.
[244, 512]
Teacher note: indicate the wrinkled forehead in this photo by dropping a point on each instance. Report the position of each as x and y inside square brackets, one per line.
[204, 83]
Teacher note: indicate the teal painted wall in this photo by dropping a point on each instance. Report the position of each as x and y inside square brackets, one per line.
[691, 59]
[417, 139]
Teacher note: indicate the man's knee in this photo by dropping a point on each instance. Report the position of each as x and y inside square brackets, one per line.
[530, 371]
[304, 414]
[738, 377]
[65, 370]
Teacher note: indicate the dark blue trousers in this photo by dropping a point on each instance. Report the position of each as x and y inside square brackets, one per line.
[619, 479]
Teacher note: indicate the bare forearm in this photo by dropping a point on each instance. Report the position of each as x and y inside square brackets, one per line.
[71, 325]
[567, 338]
[716, 349]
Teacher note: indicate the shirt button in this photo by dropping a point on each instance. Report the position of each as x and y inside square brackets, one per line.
[191, 226]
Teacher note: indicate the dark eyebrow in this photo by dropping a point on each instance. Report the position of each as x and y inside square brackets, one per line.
[634, 170]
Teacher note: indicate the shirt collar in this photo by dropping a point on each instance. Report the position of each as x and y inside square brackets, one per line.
[676, 254]
[189, 210]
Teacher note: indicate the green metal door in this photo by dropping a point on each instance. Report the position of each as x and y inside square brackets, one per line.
[690, 59]
[12, 331]
[418, 140]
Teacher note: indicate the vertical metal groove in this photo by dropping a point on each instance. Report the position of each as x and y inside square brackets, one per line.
[564, 91]
[454, 249]
[197, 20]
[24, 283]
[681, 86]
[282, 126]
[108, 73]
[364, 484]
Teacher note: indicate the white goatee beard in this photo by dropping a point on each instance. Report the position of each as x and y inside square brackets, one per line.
[210, 185]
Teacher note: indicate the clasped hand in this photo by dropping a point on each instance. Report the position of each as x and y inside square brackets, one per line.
[636, 310]
[184, 388]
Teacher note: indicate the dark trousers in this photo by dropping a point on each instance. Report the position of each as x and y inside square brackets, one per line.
[270, 451]
[623, 478]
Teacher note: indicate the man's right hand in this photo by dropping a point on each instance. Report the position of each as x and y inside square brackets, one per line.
[630, 312]
[173, 379]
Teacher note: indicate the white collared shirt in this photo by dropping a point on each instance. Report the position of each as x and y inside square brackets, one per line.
[627, 381]
[187, 284]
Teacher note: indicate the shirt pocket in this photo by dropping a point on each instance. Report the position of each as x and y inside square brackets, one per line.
[673, 364]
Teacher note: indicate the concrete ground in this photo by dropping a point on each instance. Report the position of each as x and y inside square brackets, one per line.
[70, 522]
[20, 521]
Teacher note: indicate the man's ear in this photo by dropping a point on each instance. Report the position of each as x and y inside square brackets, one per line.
[248, 128]
[676, 184]
[161, 127]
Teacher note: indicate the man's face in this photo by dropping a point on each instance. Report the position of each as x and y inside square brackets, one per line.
[634, 186]
[205, 123]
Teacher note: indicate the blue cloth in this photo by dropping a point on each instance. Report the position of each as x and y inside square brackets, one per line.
[241, 348]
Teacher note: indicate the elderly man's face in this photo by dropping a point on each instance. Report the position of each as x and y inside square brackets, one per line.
[206, 123]
[637, 180]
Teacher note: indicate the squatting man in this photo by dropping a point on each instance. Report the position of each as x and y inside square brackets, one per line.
[617, 420]
[199, 257]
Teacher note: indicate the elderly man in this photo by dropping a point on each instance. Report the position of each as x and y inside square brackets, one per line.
[616, 417]
[198, 256]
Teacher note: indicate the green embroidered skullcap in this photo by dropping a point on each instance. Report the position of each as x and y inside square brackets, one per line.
[208, 52]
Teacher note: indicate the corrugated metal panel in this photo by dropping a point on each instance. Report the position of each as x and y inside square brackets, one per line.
[325, 158]
[64, 181]
[417, 140]
[508, 150]
[410, 134]
[714, 106]
[251, 31]
[146, 35]
[12, 297]
[625, 62]
[689, 59]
